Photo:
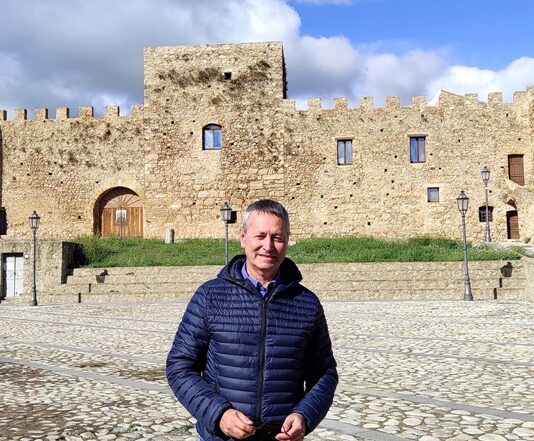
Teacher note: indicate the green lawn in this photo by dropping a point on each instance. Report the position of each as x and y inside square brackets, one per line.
[114, 252]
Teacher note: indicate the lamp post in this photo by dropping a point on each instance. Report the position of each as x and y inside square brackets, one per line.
[485, 177]
[463, 204]
[34, 225]
[226, 217]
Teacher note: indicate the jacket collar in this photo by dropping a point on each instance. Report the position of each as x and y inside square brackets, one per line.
[289, 273]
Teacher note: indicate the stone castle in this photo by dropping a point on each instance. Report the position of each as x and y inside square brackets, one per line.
[216, 126]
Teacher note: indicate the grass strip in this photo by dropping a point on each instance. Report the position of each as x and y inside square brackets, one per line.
[100, 252]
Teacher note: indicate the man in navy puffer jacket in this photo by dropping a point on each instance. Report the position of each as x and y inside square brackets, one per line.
[252, 357]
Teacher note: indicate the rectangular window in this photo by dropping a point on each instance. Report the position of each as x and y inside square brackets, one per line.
[417, 149]
[432, 194]
[516, 171]
[344, 151]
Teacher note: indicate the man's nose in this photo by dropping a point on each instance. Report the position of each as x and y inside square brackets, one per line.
[268, 243]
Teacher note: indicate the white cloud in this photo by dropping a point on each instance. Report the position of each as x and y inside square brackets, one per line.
[56, 53]
[321, 66]
[462, 79]
[80, 49]
[404, 76]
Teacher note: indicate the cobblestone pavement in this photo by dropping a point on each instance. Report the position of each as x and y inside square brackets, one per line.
[408, 371]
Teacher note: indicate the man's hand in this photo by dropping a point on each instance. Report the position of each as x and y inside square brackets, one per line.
[293, 429]
[236, 424]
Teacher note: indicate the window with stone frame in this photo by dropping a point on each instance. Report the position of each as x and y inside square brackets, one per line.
[344, 151]
[482, 213]
[417, 149]
[212, 137]
[432, 194]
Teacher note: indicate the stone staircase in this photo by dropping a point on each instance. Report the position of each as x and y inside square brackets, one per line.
[351, 281]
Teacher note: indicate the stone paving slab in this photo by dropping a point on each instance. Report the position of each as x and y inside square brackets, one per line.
[409, 370]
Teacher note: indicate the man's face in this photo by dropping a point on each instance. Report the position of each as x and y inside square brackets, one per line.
[265, 245]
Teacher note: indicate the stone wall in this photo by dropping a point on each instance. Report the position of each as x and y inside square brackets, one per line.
[528, 264]
[490, 280]
[62, 166]
[53, 260]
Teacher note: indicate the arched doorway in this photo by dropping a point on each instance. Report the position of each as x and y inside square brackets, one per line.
[119, 212]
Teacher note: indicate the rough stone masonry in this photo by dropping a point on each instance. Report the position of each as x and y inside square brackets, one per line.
[216, 126]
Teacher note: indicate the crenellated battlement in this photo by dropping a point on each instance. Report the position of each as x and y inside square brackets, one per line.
[63, 113]
[444, 99]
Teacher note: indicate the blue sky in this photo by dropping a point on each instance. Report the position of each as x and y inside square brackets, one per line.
[484, 33]
[56, 53]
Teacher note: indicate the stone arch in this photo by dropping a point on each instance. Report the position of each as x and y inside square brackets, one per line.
[119, 212]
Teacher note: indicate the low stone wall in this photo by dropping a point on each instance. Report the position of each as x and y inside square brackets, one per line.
[528, 264]
[53, 260]
[58, 282]
[340, 282]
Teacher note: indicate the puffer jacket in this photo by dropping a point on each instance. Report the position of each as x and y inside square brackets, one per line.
[264, 357]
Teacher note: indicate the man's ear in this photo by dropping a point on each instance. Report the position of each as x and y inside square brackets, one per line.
[242, 237]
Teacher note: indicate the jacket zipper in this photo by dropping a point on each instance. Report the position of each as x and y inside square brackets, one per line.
[262, 358]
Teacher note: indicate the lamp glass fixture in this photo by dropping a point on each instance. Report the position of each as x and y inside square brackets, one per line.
[226, 212]
[463, 202]
[34, 220]
[485, 173]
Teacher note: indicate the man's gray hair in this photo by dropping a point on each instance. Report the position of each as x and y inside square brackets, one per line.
[267, 206]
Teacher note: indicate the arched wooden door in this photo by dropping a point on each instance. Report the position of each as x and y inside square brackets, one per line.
[121, 213]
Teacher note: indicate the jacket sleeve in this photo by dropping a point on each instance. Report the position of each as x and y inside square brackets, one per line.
[321, 376]
[185, 363]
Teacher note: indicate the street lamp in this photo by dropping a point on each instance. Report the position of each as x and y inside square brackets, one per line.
[226, 217]
[34, 225]
[485, 177]
[463, 204]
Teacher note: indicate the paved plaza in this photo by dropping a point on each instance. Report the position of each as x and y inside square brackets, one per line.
[408, 371]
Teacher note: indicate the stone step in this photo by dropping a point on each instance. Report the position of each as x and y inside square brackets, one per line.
[184, 274]
[510, 293]
[308, 277]
[411, 284]
[201, 271]
[118, 287]
[130, 284]
[424, 274]
[354, 281]
[212, 270]
[57, 297]
[338, 295]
